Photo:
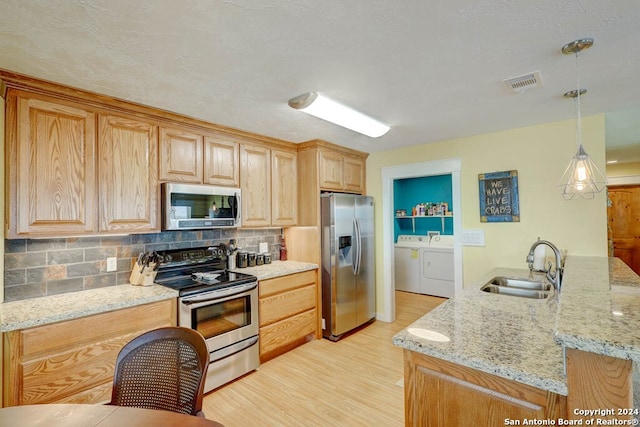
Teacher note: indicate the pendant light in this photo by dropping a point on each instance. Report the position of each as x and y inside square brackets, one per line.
[582, 179]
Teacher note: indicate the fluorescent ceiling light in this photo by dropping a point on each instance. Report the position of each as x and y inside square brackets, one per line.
[324, 108]
[610, 162]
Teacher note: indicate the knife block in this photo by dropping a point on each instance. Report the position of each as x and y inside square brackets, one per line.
[142, 275]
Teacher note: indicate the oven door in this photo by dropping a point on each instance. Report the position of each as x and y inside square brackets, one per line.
[224, 317]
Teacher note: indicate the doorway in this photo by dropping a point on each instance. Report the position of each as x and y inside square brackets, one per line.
[414, 170]
[623, 216]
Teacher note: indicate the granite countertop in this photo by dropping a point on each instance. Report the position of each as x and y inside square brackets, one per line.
[501, 335]
[598, 311]
[56, 308]
[277, 269]
[522, 339]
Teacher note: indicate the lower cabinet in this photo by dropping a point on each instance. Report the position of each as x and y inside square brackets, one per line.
[288, 312]
[444, 394]
[73, 361]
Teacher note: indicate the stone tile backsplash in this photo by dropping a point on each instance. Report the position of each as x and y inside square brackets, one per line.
[40, 267]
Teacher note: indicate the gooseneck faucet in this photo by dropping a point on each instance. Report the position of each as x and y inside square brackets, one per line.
[554, 278]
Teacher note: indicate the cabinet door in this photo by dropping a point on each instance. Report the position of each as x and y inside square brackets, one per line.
[180, 156]
[284, 188]
[255, 182]
[52, 167]
[331, 170]
[129, 190]
[221, 162]
[354, 174]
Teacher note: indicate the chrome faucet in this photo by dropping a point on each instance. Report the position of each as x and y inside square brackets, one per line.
[556, 277]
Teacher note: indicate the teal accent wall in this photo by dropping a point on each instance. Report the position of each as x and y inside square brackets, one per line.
[409, 192]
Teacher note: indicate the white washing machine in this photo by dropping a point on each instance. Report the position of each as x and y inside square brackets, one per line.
[437, 276]
[407, 262]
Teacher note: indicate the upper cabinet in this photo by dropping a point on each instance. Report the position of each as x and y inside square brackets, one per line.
[180, 155]
[221, 161]
[268, 179]
[129, 193]
[341, 172]
[327, 167]
[51, 165]
[198, 158]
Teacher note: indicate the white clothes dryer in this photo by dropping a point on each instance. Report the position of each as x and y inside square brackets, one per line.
[437, 271]
[407, 262]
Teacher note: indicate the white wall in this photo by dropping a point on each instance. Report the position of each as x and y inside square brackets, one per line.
[540, 154]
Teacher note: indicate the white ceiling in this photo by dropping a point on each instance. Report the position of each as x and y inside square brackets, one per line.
[433, 70]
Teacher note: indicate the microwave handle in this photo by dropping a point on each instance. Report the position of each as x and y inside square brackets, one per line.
[235, 206]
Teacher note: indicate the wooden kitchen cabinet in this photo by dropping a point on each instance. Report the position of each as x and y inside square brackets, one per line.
[340, 172]
[180, 155]
[51, 162]
[221, 161]
[268, 179]
[284, 188]
[288, 312]
[354, 174]
[73, 361]
[128, 187]
[443, 394]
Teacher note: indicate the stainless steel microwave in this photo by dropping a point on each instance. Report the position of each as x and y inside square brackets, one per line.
[195, 206]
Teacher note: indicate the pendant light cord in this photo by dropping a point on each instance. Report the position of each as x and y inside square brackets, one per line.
[579, 120]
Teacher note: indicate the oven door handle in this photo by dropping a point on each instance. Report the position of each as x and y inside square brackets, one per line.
[232, 349]
[221, 293]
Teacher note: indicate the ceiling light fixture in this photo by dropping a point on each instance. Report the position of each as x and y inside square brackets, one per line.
[582, 178]
[324, 108]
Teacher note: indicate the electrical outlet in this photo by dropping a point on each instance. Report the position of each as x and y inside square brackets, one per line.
[112, 263]
[264, 247]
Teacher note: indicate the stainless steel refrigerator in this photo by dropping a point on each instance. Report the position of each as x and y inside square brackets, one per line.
[348, 270]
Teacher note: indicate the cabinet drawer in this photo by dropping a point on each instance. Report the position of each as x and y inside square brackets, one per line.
[285, 283]
[287, 304]
[285, 332]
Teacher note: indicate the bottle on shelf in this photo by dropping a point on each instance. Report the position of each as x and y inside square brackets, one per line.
[283, 249]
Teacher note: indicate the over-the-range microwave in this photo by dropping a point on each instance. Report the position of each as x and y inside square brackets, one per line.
[197, 206]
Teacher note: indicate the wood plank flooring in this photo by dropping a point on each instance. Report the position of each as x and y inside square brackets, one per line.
[352, 382]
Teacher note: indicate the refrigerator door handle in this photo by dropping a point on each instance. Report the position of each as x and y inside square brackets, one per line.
[357, 246]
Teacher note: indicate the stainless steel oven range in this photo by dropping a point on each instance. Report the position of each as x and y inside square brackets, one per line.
[222, 305]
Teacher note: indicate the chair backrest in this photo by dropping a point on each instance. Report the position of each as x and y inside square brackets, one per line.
[162, 369]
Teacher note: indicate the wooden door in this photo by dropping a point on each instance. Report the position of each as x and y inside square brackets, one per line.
[221, 165]
[180, 156]
[52, 167]
[331, 170]
[354, 174]
[284, 188]
[624, 223]
[129, 190]
[255, 182]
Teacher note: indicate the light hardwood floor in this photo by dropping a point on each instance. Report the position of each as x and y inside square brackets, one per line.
[352, 382]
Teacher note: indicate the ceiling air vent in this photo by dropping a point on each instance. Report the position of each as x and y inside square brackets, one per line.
[524, 82]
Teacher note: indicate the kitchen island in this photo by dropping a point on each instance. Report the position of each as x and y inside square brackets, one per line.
[504, 356]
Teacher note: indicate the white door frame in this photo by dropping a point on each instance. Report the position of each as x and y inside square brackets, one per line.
[414, 170]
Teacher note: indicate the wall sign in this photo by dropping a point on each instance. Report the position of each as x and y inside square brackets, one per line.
[499, 197]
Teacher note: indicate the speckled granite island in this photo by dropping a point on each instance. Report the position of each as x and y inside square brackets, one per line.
[504, 342]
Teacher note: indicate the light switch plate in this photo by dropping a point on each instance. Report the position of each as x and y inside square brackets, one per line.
[112, 263]
[472, 237]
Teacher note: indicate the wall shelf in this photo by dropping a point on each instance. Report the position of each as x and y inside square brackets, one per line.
[413, 219]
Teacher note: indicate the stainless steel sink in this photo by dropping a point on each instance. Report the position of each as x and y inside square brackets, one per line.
[518, 287]
[515, 292]
[520, 283]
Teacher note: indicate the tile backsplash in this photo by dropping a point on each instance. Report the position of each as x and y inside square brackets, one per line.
[40, 267]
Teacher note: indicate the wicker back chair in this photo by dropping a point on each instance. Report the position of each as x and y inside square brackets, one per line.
[162, 369]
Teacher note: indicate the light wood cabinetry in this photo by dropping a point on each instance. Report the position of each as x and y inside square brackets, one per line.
[288, 312]
[444, 394]
[51, 161]
[341, 172]
[180, 155]
[128, 187]
[269, 188]
[221, 161]
[73, 361]
[284, 188]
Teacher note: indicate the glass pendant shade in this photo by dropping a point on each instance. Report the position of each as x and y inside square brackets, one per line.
[582, 179]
